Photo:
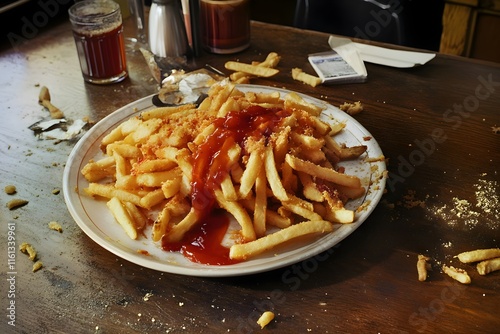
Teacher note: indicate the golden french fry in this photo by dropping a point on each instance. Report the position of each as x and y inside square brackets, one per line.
[478, 255]
[272, 98]
[313, 156]
[282, 145]
[95, 171]
[308, 142]
[221, 97]
[310, 190]
[457, 274]
[272, 60]
[277, 220]
[122, 166]
[311, 80]
[178, 205]
[350, 192]
[152, 166]
[423, 267]
[336, 128]
[302, 208]
[152, 198]
[156, 179]
[289, 179]
[487, 266]
[200, 138]
[343, 152]
[295, 101]
[125, 150]
[242, 80]
[239, 213]
[143, 131]
[260, 207]
[117, 134]
[336, 211]
[122, 216]
[165, 112]
[253, 248]
[160, 225]
[252, 169]
[259, 71]
[230, 105]
[236, 172]
[237, 76]
[273, 177]
[128, 127]
[44, 100]
[181, 228]
[342, 215]
[140, 220]
[322, 172]
[228, 189]
[109, 191]
[171, 187]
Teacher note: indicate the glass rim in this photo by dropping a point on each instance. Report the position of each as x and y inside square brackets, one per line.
[111, 9]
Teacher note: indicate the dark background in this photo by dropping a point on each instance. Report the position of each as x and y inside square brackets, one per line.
[420, 21]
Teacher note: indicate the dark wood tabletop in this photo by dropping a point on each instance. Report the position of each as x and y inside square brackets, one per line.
[437, 125]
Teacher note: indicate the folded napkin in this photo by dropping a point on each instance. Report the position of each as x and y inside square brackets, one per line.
[380, 55]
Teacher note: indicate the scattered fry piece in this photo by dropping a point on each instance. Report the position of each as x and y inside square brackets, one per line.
[487, 266]
[16, 203]
[352, 108]
[265, 319]
[423, 266]
[55, 226]
[457, 274]
[26, 248]
[44, 100]
[256, 70]
[311, 80]
[478, 255]
[37, 266]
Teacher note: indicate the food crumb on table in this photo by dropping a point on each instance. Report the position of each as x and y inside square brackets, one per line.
[37, 266]
[10, 189]
[26, 248]
[16, 203]
[53, 225]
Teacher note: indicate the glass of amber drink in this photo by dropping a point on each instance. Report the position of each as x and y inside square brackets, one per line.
[98, 32]
[225, 25]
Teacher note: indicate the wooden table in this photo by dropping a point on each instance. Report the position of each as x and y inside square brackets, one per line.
[434, 124]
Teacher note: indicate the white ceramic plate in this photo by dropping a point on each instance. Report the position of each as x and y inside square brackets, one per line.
[97, 222]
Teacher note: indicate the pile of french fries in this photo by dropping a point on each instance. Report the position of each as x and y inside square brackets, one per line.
[278, 186]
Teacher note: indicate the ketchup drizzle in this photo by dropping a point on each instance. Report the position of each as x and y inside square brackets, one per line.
[211, 164]
[203, 243]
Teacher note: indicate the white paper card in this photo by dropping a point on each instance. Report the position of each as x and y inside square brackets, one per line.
[331, 67]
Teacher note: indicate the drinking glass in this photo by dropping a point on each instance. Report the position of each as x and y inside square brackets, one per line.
[98, 33]
[225, 25]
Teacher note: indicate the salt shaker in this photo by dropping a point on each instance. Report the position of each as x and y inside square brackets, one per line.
[167, 32]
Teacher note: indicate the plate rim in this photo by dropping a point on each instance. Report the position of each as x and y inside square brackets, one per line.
[241, 269]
